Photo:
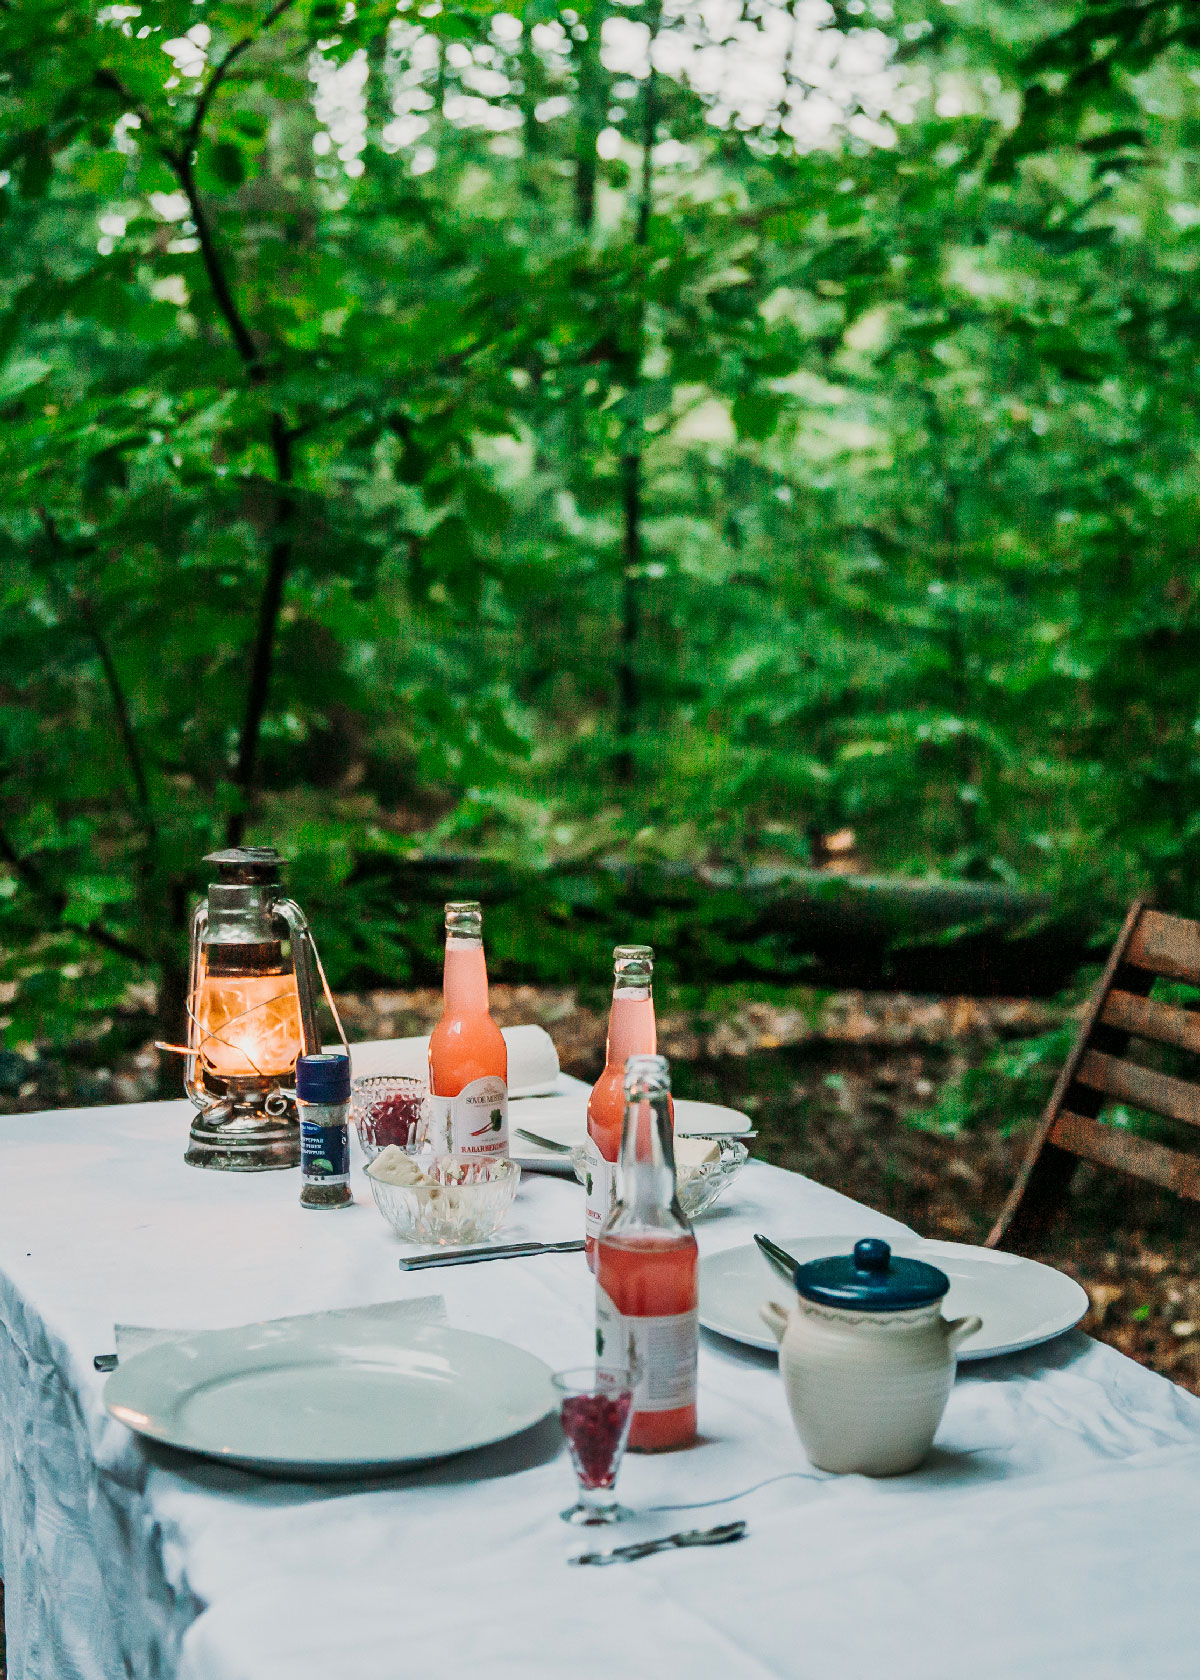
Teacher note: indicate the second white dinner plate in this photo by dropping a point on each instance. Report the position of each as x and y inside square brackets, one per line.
[1021, 1302]
[563, 1119]
[312, 1397]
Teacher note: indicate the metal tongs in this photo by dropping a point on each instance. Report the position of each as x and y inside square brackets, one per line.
[723, 1535]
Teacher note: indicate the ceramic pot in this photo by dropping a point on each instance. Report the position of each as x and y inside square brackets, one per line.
[867, 1359]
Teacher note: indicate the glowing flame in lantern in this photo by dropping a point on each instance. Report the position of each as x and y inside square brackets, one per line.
[248, 1026]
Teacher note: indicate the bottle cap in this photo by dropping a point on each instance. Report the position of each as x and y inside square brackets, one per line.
[323, 1079]
[464, 919]
[633, 965]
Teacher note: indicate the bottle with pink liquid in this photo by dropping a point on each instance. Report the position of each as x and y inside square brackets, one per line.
[468, 1058]
[631, 1032]
[647, 1318]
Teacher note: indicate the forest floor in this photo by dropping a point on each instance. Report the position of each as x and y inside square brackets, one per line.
[830, 1084]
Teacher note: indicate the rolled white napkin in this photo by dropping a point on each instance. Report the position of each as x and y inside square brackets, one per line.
[532, 1059]
[425, 1309]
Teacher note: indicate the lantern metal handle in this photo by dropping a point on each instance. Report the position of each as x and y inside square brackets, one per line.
[306, 958]
[194, 1086]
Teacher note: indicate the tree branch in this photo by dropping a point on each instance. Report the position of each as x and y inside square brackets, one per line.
[56, 901]
[218, 280]
[106, 78]
[116, 692]
[628, 686]
[182, 162]
[220, 71]
[120, 705]
[269, 607]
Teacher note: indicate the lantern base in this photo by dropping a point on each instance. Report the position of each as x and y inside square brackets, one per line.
[232, 1139]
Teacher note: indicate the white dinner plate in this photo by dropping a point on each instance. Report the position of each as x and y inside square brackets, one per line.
[1021, 1302]
[564, 1120]
[314, 1398]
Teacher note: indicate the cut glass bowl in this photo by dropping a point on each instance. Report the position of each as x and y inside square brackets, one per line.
[386, 1108]
[465, 1202]
[697, 1187]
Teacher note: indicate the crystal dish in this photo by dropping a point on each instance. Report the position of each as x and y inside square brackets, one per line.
[462, 1202]
[386, 1109]
[697, 1187]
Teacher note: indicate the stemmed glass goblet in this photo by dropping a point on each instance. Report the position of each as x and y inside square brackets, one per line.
[596, 1412]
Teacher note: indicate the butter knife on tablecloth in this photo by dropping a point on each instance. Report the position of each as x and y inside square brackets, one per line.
[498, 1251]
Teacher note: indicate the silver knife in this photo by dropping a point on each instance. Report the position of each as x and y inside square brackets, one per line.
[497, 1251]
[720, 1536]
[782, 1261]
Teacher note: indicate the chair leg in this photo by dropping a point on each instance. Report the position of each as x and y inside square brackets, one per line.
[1037, 1197]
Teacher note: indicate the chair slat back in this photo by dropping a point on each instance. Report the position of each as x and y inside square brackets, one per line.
[1124, 1081]
[1162, 1023]
[1107, 1146]
[1151, 945]
[1166, 945]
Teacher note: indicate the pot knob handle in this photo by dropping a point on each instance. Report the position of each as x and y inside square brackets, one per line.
[872, 1254]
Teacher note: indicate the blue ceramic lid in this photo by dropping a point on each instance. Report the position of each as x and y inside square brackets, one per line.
[872, 1279]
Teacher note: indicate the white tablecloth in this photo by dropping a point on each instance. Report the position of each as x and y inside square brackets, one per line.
[1053, 1533]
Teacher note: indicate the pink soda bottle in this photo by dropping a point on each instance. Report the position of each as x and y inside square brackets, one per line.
[468, 1058]
[647, 1298]
[631, 1032]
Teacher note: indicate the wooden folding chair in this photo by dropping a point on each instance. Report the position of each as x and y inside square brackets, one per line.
[1096, 1072]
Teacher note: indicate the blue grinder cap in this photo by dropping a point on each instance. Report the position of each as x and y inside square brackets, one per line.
[872, 1279]
[323, 1079]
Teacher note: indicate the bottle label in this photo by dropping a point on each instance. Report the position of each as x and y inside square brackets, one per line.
[599, 1183]
[474, 1123]
[660, 1353]
[324, 1153]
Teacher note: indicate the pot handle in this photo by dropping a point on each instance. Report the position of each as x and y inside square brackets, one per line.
[774, 1317]
[958, 1329]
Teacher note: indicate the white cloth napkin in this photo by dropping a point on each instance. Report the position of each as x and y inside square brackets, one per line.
[532, 1059]
[383, 1315]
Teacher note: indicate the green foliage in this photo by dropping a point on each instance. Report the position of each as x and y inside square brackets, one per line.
[1006, 1091]
[435, 485]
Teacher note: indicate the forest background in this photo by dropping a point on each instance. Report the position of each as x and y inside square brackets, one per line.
[643, 437]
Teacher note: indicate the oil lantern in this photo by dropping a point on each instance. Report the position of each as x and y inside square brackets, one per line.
[252, 1010]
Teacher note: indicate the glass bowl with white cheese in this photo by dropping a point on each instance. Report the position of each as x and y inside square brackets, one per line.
[442, 1199]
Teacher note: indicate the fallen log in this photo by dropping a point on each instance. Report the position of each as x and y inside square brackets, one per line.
[770, 926]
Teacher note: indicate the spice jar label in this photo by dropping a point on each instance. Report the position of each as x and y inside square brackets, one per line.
[324, 1153]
